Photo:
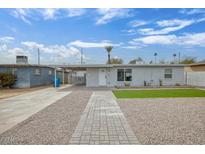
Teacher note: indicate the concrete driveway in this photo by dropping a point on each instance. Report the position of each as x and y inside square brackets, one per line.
[16, 109]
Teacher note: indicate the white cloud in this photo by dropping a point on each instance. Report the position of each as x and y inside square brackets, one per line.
[193, 39]
[32, 45]
[61, 13]
[3, 48]
[75, 12]
[17, 51]
[6, 39]
[170, 26]
[58, 50]
[190, 39]
[101, 44]
[129, 32]
[22, 14]
[137, 23]
[28, 48]
[130, 47]
[173, 22]
[106, 15]
[192, 11]
[64, 52]
[47, 14]
[157, 39]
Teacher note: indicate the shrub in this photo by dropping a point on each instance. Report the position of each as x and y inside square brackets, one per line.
[160, 83]
[7, 80]
[145, 83]
[127, 84]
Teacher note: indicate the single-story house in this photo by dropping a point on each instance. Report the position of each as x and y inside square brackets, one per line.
[95, 75]
[131, 74]
[31, 75]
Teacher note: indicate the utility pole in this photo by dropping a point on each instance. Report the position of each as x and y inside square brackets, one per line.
[81, 57]
[38, 56]
[179, 58]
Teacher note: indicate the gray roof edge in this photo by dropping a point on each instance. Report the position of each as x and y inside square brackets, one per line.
[25, 65]
[120, 65]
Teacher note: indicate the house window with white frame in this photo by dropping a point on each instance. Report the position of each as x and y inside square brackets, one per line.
[37, 71]
[124, 75]
[120, 74]
[168, 73]
[128, 74]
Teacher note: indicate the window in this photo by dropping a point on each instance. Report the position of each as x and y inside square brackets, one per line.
[120, 75]
[128, 75]
[168, 73]
[124, 75]
[37, 71]
[49, 72]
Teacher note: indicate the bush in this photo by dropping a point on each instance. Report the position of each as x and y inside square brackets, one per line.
[7, 80]
[145, 83]
[160, 83]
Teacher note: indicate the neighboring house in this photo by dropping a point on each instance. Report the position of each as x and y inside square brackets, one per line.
[195, 74]
[197, 67]
[131, 74]
[30, 75]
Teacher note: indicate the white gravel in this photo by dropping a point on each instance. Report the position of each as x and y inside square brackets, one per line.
[166, 121]
[52, 125]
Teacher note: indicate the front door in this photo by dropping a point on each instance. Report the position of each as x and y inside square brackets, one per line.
[102, 77]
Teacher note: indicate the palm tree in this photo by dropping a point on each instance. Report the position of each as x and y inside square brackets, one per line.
[109, 49]
[155, 55]
[174, 55]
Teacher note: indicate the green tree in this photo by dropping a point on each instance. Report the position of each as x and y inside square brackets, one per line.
[162, 61]
[115, 61]
[108, 49]
[155, 57]
[174, 55]
[188, 60]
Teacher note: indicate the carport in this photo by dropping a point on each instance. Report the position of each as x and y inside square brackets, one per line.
[92, 75]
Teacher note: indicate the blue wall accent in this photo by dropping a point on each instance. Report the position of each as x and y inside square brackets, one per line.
[43, 79]
[26, 76]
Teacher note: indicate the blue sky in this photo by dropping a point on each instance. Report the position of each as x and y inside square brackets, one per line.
[61, 33]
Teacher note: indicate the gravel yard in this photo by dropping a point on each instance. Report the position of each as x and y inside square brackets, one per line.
[166, 121]
[52, 125]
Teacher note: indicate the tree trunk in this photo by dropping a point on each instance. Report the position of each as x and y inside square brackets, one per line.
[108, 58]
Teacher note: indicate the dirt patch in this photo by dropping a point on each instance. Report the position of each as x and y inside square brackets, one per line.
[6, 93]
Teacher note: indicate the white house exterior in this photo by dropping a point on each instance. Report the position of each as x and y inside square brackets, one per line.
[133, 75]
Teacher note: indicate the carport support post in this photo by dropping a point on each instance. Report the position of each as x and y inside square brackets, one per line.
[63, 78]
[55, 78]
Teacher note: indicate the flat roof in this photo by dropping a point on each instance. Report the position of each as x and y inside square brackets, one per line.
[24, 65]
[197, 64]
[84, 66]
[119, 65]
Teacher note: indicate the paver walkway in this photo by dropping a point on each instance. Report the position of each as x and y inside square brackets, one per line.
[16, 109]
[102, 122]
